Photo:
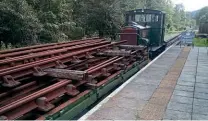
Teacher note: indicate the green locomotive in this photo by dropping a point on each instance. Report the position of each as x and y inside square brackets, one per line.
[145, 27]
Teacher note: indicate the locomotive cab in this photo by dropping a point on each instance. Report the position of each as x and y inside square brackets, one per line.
[145, 25]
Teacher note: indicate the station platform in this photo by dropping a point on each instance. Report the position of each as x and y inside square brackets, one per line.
[174, 86]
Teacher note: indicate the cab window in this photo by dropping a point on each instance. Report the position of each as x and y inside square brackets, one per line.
[130, 18]
[140, 18]
[148, 18]
[153, 17]
[156, 18]
[144, 18]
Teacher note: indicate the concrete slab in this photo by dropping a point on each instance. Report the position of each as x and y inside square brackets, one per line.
[199, 117]
[203, 74]
[201, 89]
[190, 97]
[154, 83]
[180, 107]
[184, 93]
[193, 69]
[138, 94]
[201, 95]
[200, 102]
[114, 113]
[189, 78]
[177, 115]
[200, 109]
[186, 83]
[181, 99]
[184, 88]
[201, 85]
[200, 79]
[188, 72]
[127, 103]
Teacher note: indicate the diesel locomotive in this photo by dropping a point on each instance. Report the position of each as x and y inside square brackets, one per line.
[145, 27]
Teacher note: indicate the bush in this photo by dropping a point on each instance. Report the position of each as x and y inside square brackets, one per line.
[200, 42]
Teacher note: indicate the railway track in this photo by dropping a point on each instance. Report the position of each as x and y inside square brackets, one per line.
[43, 80]
[173, 40]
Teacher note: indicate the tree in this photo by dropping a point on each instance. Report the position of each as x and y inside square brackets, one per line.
[56, 17]
[18, 22]
[26, 22]
[98, 16]
[179, 18]
[202, 16]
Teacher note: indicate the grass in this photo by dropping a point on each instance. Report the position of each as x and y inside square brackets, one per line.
[200, 42]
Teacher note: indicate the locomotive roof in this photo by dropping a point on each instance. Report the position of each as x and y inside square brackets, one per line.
[150, 11]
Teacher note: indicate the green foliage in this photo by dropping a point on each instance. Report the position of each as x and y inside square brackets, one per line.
[70, 30]
[18, 22]
[98, 16]
[201, 42]
[202, 16]
[26, 22]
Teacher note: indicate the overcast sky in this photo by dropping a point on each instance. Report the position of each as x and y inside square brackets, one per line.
[191, 5]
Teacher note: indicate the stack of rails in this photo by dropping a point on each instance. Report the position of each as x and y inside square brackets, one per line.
[42, 80]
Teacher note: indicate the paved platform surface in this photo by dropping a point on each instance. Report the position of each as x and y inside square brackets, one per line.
[190, 97]
[174, 87]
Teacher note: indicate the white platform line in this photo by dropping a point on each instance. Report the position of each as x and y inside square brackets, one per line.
[84, 117]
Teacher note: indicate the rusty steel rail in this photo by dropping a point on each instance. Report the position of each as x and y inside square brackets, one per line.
[51, 80]
[87, 63]
[88, 46]
[72, 100]
[42, 46]
[11, 62]
[98, 65]
[75, 74]
[88, 75]
[102, 82]
[63, 105]
[25, 52]
[10, 75]
[40, 99]
[105, 69]
[13, 94]
[7, 93]
[19, 92]
[105, 65]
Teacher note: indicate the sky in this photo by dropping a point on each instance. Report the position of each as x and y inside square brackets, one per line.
[191, 5]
